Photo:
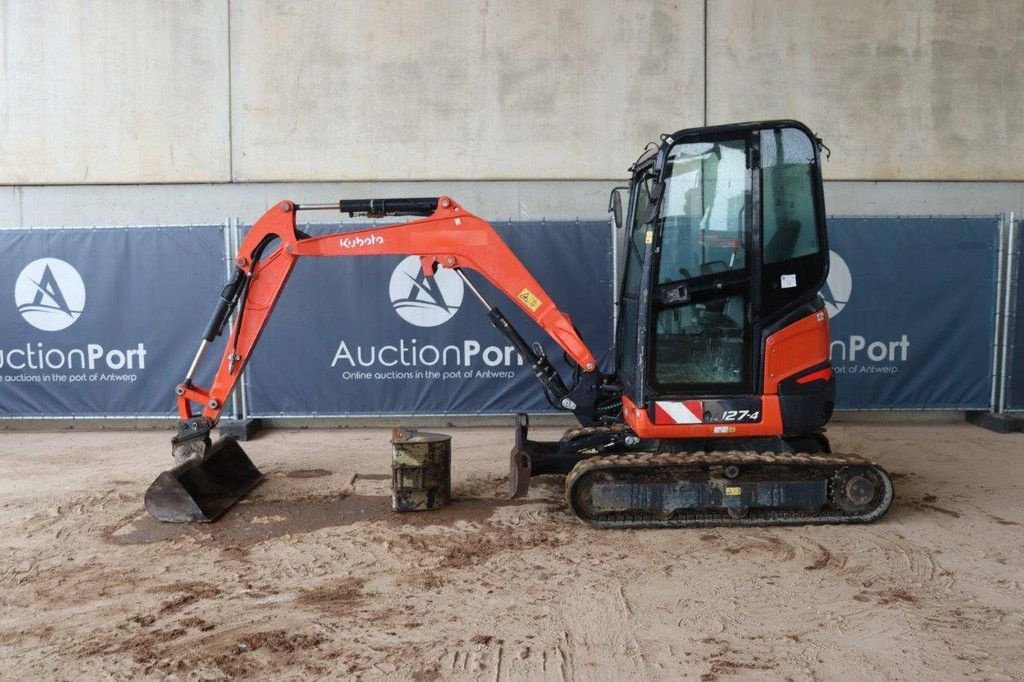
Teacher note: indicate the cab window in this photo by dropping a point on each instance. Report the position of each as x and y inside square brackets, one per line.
[636, 245]
[637, 234]
[790, 225]
[794, 255]
[704, 216]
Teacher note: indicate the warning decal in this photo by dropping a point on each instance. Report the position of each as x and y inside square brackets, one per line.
[531, 301]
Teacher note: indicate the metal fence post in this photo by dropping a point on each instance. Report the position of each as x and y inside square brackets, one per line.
[615, 279]
[243, 381]
[1009, 311]
[998, 321]
[228, 257]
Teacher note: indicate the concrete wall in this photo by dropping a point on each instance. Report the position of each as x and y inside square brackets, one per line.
[211, 203]
[264, 90]
[900, 90]
[101, 91]
[165, 112]
[438, 89]
[51, 205]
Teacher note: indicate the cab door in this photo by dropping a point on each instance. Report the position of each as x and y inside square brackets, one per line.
[701, 303]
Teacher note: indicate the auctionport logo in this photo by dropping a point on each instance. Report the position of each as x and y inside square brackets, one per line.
[839, 285]
[50, 294]
[425, 301]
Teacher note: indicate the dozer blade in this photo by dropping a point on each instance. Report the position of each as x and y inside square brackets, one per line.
[202, 489]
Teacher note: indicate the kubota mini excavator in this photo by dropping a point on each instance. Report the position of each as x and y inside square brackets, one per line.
[722, 381]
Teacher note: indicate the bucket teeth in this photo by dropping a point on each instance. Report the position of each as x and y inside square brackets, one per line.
[202, 488]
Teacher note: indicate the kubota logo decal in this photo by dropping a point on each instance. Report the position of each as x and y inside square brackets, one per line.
[839, 285]
[421, 300]
[357, 242]
[50, 294]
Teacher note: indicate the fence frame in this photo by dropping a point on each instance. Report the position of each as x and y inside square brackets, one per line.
[1007, 286]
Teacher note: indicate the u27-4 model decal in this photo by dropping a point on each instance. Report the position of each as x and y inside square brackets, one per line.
[731, 411]
[741, 416]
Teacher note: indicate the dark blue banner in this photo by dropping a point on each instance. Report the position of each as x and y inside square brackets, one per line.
[912, 308]
[372, 335]
[102, 322]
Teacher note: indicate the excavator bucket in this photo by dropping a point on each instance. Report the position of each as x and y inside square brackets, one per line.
[203, 488]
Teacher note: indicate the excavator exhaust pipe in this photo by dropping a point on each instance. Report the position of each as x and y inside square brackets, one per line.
[204, 486]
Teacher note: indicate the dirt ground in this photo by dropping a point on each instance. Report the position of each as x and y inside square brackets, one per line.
[313, 576]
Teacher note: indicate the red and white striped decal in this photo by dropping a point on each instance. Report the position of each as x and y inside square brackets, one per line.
[673, 412]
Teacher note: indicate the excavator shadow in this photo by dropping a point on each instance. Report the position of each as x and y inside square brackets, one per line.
[268, 514]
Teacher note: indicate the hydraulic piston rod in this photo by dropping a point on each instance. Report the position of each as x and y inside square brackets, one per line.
[539, 363]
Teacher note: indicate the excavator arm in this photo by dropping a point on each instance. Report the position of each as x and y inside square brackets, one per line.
[446, 236]
[210, 477]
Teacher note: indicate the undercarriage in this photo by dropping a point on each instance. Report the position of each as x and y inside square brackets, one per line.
[615, 479]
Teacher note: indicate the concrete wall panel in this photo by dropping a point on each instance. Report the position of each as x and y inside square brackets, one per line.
[904, 89]
[10, 206]
[107, 91]
[498, 200]
[413, 89]
[164, 204]
[157, 204]
[924, 198]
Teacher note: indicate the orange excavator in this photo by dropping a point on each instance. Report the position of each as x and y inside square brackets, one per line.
[722, 385]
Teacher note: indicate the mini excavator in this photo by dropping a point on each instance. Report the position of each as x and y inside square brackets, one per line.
[722, 386]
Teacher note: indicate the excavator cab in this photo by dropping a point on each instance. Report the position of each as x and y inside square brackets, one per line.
[725, 243]
[722, 348]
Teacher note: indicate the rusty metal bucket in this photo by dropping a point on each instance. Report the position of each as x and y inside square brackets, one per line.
[203, 488]
[421, 468]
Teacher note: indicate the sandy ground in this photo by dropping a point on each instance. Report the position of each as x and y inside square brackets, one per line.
[313, 576]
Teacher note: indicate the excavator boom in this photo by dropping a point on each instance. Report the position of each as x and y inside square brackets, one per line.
[448, 237]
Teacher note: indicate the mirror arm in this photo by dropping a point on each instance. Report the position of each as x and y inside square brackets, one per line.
[615, 204]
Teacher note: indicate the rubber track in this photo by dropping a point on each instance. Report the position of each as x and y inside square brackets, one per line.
[632, 462]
